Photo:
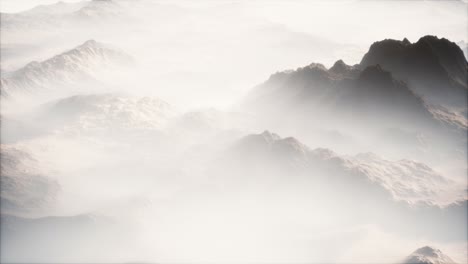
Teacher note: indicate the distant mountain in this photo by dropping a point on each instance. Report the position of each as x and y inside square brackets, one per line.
[434, 68]
[367, 100]
[428, 255]
[403, 180]
[100, 9]
[56, 8]
[24, 189]
[60, 15]
[81, 64]
[105, 112]
[339, 95]
[332, 184]
[434, 71]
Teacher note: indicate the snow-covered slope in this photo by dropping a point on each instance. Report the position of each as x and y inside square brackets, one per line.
[104, 112]
[428, 255]
[452, 117]
[25, 189]
[81, 64]
[404, 180]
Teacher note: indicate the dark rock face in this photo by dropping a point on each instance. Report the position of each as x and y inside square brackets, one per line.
[397, 83]
[377, 87]
[371, 95]
[346, 71]
[435, 68]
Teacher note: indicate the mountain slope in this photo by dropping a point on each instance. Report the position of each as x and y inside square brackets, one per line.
[345, 189]
[403, 82]
[24, 190]
[342, 95]
[403, 180]
[81, 64]
[105, 112]
[428, 255]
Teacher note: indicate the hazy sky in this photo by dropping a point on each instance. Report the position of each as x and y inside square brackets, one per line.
[325, 18]
[20, 5]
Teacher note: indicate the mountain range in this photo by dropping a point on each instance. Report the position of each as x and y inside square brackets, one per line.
[402, 110]
[403, 180]
[71, 69]
[434, 68]
[402, 189]
[78, 70]
[392, 81]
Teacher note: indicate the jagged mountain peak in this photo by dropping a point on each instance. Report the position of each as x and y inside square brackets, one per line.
[434, 67]
[389, 52]
[340, 68]
[318, 66]
[406, 41]
[339, 65]
[388, 46]
[432, 39]
[428, 255]
[86, 53]
[342, 89]
[92, 45]
[90, 42]
[84, 63]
